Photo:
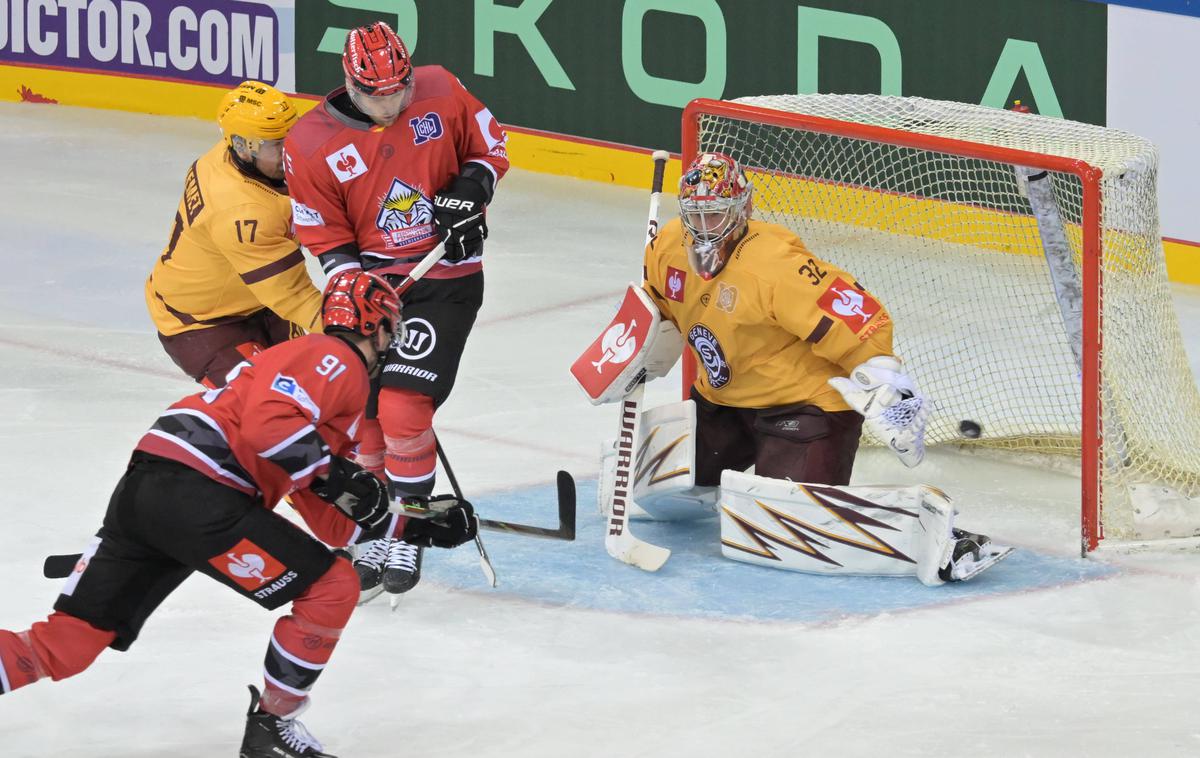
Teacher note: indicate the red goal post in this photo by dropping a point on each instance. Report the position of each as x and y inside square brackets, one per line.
[809, 156]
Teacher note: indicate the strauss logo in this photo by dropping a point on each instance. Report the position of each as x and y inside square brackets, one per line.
[849, 303]
[346, 163]
[249, 566]
[675, 284]
[618, 344]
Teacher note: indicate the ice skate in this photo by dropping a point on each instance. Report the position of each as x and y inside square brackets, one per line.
[972, 554]
[370, 564]
[271, 736]
[402, 569]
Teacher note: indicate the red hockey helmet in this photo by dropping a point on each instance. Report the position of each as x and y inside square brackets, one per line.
[376, 60]
[360, 302]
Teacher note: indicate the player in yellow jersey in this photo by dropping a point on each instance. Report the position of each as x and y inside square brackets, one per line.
[796, 357]
[232, 280]
[771, 325]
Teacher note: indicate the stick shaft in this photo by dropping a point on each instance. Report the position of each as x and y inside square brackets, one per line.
[422, 268]
[619, 541]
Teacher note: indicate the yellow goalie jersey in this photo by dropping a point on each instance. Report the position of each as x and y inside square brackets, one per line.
[232, 252]
[773, 325]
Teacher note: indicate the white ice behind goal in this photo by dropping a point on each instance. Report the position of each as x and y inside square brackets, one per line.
[919, 199]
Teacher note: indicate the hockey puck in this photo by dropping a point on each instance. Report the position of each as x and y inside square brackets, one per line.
[970, 429]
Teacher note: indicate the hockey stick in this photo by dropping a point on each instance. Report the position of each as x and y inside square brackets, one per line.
[619, 541]
[61, 566]
[566, 516]
[485, 563]
[430, 260]
[421, 269]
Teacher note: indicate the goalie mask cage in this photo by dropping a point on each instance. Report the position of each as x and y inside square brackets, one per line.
[923, 202]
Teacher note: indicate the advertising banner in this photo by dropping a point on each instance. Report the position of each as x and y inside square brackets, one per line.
[203, 41]
[621, 71]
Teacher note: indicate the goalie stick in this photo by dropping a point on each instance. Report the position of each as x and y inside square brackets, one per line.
[619, 541]
[61, 566]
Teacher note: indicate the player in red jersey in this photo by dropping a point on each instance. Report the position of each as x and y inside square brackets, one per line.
[198, 494]
[385, 167]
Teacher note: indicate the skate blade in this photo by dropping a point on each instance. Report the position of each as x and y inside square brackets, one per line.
[394, 600]
[998, 554]
[366, 596]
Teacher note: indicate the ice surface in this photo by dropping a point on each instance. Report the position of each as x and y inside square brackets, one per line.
[574, 654]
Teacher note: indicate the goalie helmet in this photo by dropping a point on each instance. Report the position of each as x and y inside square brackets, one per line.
[714, 205]
[253, 113]
[361, 302]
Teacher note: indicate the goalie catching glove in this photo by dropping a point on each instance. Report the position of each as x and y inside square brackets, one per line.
[355, 491]
[892, 408]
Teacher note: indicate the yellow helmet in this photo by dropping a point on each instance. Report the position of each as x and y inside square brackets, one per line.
[254, 112]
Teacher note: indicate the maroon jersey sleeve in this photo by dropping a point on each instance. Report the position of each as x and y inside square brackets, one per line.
[318, 206]
[305, 405]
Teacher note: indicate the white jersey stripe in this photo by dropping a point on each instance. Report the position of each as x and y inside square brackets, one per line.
[411, 479]
[197, 414]
[298, 661]
[223, 473]
[306, 471]
[282, 686]
[5, 686]
[307, 429]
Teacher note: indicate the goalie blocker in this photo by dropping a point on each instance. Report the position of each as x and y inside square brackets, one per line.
[637, 344]
[811, 528]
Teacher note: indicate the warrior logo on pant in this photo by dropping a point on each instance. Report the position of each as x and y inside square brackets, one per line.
[420, 338]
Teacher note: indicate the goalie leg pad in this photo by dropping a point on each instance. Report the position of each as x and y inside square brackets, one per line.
[877, 530]
[664, 486]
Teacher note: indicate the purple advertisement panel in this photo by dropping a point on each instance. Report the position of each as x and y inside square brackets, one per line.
[213, 41]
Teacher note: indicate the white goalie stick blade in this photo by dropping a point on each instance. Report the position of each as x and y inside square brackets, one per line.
[992, 554]
[629, 549]
[619, 541]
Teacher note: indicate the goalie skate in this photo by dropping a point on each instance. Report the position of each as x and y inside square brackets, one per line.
[972, 555]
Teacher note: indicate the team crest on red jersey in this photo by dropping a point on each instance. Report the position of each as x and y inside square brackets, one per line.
[248, 565]
[346, 163]
[846, 302]
[676, 280]
[405, 215]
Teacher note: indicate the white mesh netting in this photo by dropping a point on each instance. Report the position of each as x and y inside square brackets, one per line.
[952, 248]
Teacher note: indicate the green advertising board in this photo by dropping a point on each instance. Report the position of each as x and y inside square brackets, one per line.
[621, 70]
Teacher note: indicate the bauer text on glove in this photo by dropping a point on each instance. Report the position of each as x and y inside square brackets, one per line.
[459, 215]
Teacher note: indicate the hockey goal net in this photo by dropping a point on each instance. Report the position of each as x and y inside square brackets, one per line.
[1045, 316]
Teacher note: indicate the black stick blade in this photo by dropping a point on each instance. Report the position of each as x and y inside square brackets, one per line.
[566, 505]
[60, 566]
